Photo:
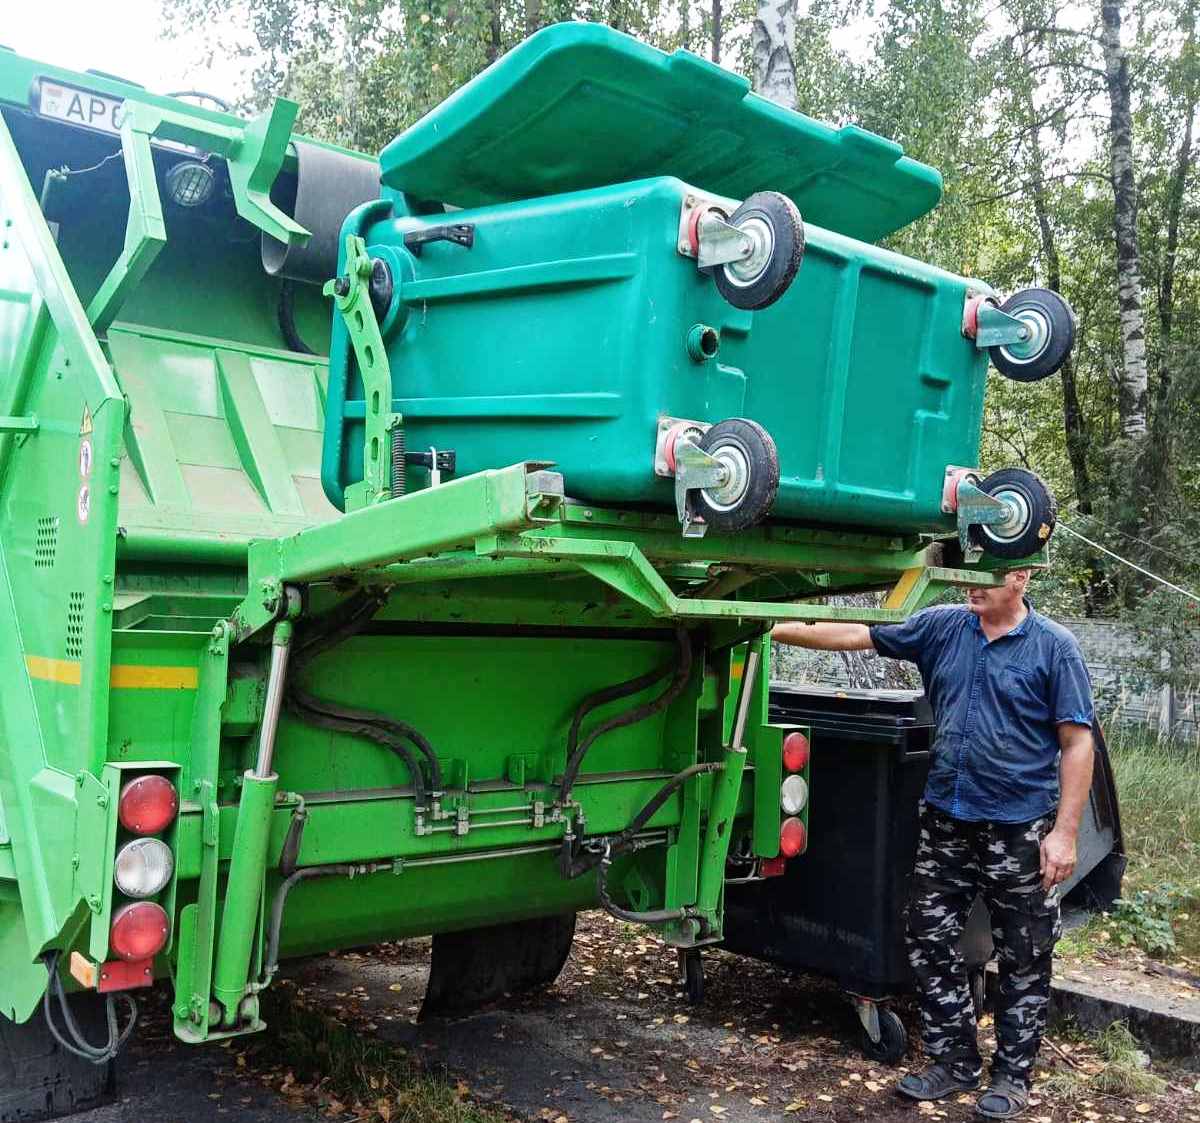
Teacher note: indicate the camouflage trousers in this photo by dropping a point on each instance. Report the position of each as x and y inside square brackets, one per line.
[956, 861]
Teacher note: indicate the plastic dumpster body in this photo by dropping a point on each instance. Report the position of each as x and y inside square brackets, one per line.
[869, 760]
[860, 371]
[240, 723]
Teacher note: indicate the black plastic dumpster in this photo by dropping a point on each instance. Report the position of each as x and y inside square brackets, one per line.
[838, 911]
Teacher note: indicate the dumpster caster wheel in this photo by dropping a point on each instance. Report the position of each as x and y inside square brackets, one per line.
[691, 970]
[1034, 513]
[978, 981]
[1051, 326]
[773, 223]
[892, 1043]
[747, 453]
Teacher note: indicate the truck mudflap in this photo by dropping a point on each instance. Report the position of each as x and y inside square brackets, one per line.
[472, 968]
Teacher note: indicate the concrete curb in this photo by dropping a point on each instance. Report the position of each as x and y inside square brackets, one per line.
[1163, 1028]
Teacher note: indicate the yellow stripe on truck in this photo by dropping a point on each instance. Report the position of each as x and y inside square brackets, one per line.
[67, 671]
[124, 676]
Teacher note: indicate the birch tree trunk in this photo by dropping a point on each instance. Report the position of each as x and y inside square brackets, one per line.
[1132, 392]
[773, 42]
[1160, 427]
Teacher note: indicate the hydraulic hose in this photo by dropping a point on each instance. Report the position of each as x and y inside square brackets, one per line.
[620, 842]
[286, 313]
[653, 916]
[325, 633]
[680, 669]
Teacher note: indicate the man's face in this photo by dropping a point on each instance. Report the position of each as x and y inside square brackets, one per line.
[1002, 599]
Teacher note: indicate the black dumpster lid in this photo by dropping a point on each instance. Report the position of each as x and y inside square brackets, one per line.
[833, 706]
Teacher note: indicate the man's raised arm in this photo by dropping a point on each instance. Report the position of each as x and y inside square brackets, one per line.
[824, 637]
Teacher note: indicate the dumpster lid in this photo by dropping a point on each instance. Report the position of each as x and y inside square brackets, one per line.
[580, 105]
[830, 706]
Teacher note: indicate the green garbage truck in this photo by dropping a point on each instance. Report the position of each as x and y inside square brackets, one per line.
[388, 544]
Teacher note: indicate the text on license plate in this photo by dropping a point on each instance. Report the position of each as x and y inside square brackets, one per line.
[78, 107]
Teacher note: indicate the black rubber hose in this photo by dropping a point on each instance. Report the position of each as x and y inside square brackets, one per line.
[622, 841]
[79, 1045]
[286, 313]
[682, 668]
[653, 916]
[326, 715]
[325, 633]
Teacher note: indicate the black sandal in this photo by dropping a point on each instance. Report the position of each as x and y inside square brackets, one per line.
[1004, 1099]
[935, 1082]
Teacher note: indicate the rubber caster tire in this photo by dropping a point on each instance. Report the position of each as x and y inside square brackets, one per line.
[1052, 326]
[774, 224]
[892, 1043]
[39, 1079]
[692, 969]
[1036, 512]
[748, 452]
[978, 984]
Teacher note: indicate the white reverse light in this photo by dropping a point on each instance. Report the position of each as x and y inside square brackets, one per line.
[143, 867]
[793, 794]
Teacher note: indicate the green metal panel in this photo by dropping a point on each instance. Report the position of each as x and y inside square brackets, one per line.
[580, 105]
[57, 541]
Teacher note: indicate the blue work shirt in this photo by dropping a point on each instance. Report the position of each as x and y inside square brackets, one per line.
[997, 706]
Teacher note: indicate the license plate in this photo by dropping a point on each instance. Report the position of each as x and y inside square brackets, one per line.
[78, 107]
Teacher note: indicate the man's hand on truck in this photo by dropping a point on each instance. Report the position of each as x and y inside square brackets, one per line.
[824, 636]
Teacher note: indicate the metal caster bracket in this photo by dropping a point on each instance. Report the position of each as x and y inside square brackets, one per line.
[676, 455]
[973, 507]
[988, 326]
[867, 1010]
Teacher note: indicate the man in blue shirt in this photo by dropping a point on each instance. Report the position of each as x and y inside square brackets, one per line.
[1010, 772]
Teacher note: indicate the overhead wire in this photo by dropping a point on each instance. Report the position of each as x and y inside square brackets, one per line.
[1125, 561]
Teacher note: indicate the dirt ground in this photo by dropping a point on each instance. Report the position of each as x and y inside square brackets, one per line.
[614, 1039]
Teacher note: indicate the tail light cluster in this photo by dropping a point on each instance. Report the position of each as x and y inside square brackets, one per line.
[147, 806]
[793, 797]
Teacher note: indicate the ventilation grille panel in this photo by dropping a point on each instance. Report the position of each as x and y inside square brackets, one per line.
[45, 542]
[75, 626]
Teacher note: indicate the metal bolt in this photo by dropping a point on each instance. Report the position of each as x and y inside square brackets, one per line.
[587, 514]
[93, 902]
[102, 799]
[74, 861]
[341, 287]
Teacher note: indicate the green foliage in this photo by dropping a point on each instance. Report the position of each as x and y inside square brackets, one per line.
[1144, 920]
[1123, 1068]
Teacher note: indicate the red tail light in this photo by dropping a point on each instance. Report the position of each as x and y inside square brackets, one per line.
[795, 751]
[792, 838]
[139, 930]
[148, 804]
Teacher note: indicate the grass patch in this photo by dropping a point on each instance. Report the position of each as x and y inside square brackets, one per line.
[1117, 1069]
[335, 1068]
[1158, 783]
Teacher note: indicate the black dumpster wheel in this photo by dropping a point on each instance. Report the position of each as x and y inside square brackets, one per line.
[978, 981]
[1052, 335]
[692, 968]
[751, 460]
[774, 224]
[892, 1043]
[1035, 513]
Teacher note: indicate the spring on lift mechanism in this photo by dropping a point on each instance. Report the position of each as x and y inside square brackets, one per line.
[397, 461]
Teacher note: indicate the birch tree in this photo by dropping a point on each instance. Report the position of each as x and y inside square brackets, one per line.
[773, 43]
[1132, 385]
